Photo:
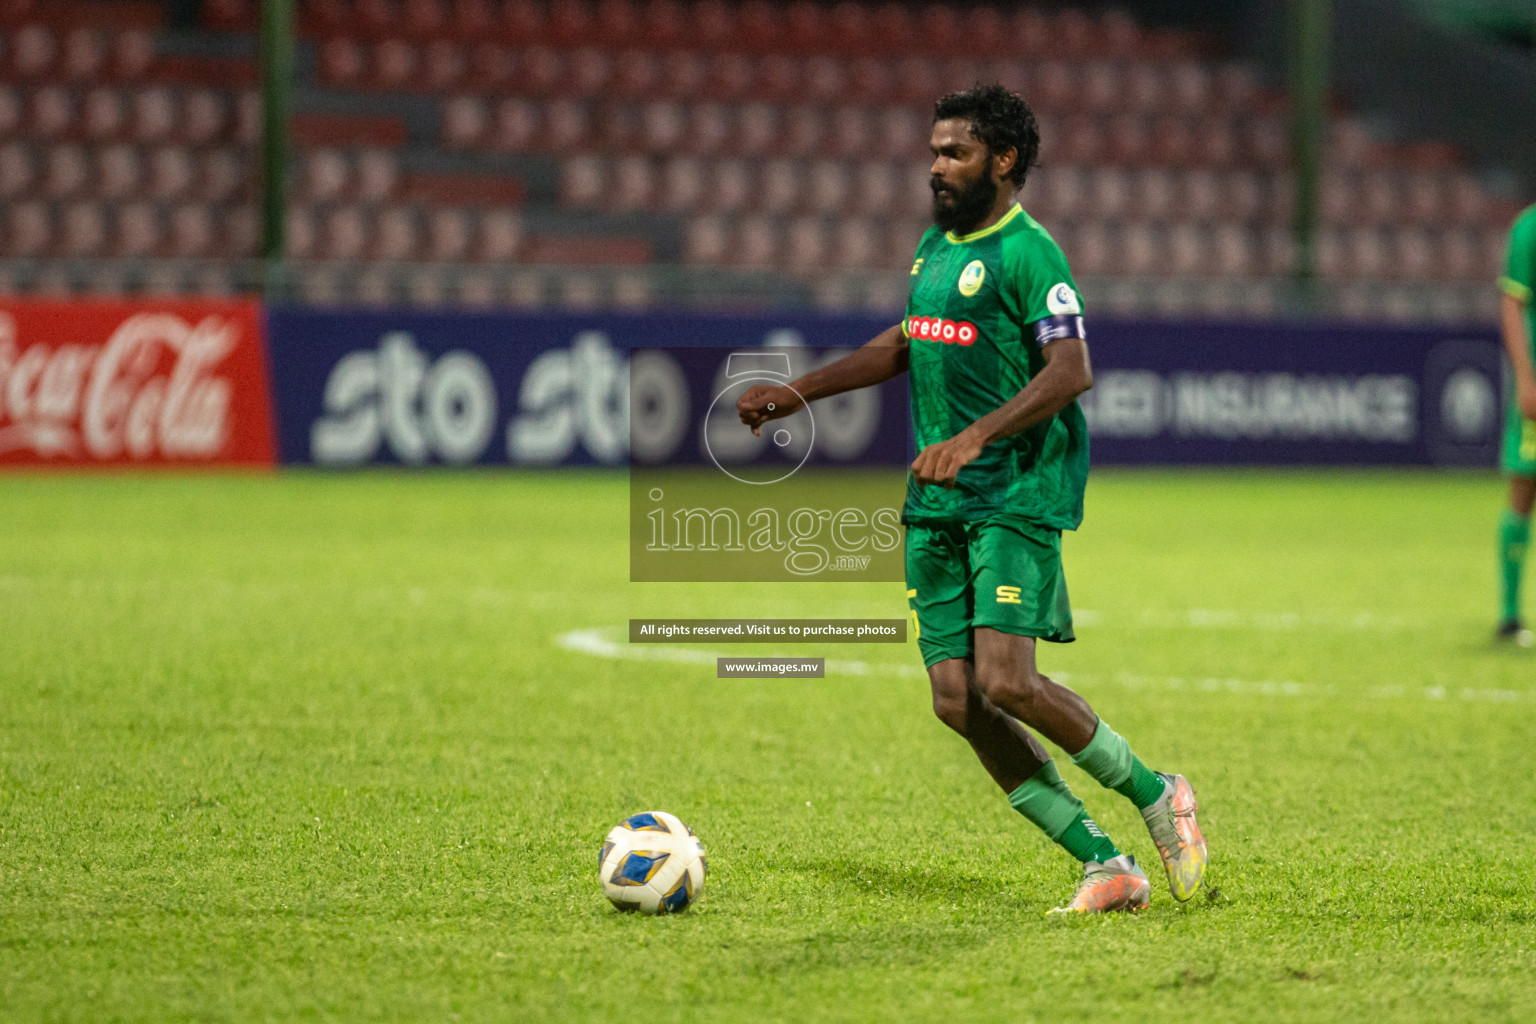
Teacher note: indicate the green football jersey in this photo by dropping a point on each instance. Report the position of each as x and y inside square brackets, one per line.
[1519, 277]
[980, 307]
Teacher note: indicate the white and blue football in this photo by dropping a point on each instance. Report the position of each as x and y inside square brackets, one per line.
[652, 863]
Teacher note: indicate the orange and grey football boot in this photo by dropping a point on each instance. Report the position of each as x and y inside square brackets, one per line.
[1116, 884]
[1177, 835]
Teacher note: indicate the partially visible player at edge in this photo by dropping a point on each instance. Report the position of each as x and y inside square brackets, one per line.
[1519, 456]
[994, 341]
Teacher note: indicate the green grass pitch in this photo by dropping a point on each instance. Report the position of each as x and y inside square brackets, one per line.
[312, 747]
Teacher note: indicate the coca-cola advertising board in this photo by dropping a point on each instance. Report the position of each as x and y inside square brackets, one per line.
[133, 384]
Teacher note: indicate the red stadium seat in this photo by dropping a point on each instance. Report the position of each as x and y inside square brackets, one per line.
[1155, 195]
[29, 229]
[522, 21]
[34, 52]
[681, 189]
[1128, 142]
[849, 135]
[902, 135]
[191, 231]
[474, 20]
[1101, 89]
[83, 230]
[17, 171]
[709, 130]
[500, 238]
[876, 188]
[239, 234]
[617, 128]
[570, 22]
[1423, 197]
[706, 241]
[778, 78]
[394, 236]
[541, 71]
[915, 82]
[1110, 193]
[632, 185]
[801, 132]
[587, 73]
[377, 18]
[1244, 199]
[119, 171]
[426, 19]
[394, 64]
[567, 126]
[325, 175]
[85, 55]
[1233, 252]
[662, 126]
[1201, 195]
[170, 173]
[516, 127]
[828, 186]
[445, 65]
[856, 244]
[1139, 251]
[223, 175]
[1339, 199]
[851, 25]
[65, 172]
[492, 67]
[343, 234]
[665, 24]
[583, 181]
[449, 233]
[154, 115]
[477, 289]
[638, 74]
[205, 118]
[806, 245]
[757, 129]
[807, 28]
[139, 231]
[378, 175]
[781, 187]
[757, 244]
[1186, 252]
[730, 187]
[617, 23]
[466, 122]
[133, 51]
[731, 77]
[52, 113]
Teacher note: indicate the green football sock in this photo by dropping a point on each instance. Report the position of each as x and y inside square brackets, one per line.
[1108, 759]
[1045, 799]
[1514, 535]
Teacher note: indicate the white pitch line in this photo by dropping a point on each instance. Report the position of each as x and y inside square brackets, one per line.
[600, 643]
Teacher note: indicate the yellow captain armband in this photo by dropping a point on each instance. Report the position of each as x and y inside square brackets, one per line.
[1515, 290]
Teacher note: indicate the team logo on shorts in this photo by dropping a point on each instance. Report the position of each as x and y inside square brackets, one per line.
[1009, 595]
[971, 278]
[1063, 300]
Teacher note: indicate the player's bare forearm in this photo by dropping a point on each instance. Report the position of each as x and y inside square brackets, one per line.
[1517, 344]
[876, 361]
[1066, 375]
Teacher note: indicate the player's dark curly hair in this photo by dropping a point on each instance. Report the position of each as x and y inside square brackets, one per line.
[998, 118]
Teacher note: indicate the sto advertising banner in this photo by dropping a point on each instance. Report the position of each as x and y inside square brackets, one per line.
[485, 389]
[133, 383]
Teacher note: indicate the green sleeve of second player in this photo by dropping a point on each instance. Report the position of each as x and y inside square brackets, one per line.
[1519, 278]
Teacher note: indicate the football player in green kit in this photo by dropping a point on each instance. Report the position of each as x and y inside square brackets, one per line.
[1519, 455]
[994, 342]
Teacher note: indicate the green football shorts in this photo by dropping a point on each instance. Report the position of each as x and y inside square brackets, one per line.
[1003, 575]
[1519, 455]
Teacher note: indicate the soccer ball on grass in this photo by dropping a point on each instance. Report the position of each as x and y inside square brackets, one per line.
[652, 863]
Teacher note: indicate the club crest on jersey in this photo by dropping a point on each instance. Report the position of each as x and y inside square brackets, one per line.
[1062, 299]
[972, 277]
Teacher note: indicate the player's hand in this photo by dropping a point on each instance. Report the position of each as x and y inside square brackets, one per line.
[1525, 396]
[939, 464]
[762, 403]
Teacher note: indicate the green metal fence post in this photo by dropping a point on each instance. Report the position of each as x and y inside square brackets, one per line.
[276, 102]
